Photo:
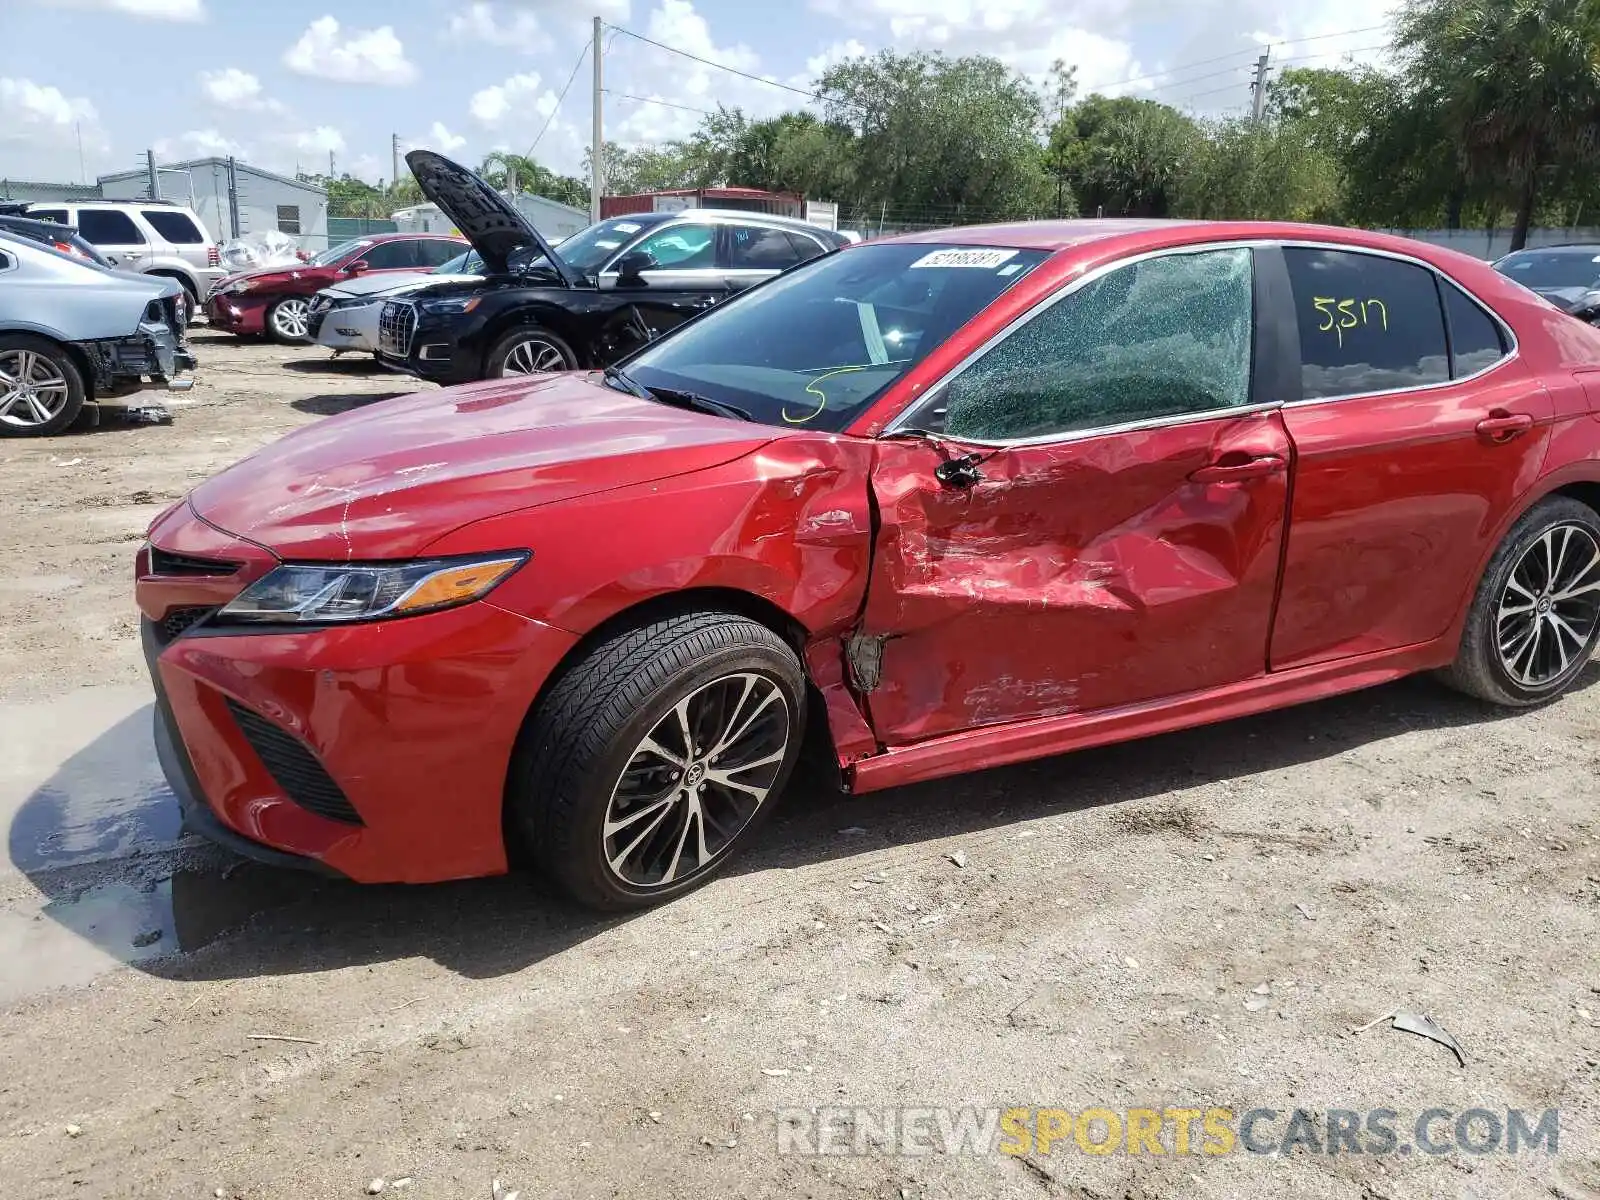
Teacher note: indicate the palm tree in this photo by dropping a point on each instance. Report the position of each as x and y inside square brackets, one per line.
[1517, 82]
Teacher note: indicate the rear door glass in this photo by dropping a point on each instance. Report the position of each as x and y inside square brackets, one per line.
[176, 227]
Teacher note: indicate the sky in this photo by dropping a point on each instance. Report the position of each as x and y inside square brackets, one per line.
[285, 84]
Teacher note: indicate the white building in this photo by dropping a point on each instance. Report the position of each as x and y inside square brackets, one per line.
[551, 218]
[264, 201]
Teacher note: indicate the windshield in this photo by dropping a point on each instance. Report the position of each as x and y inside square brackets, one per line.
[1551, 269]
[587, 252]
[815, 346]
[334, 253]
[462, 264]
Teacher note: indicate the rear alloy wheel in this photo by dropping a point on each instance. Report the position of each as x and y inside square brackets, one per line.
[41, 389]
[289, 320]
[531, 351]
[658, 755]
[1536, 619]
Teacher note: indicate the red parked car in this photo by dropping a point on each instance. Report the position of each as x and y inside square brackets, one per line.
[276, 301]
[960, 498]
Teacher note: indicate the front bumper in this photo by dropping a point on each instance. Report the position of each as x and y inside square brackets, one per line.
[410, 722]
[240, 313]
[354, 327]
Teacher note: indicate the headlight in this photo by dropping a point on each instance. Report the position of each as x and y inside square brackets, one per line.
[233, 289]
[440, 307]
[1591, 299]
[302, 593]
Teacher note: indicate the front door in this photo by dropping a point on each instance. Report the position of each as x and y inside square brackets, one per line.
[1115, 537]
[682, 281]
[1411, 446]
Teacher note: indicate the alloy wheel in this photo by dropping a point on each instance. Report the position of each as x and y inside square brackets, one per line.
[1550, 607]
[290, 318]
[33, 389]
[696, 780]
[535, 356]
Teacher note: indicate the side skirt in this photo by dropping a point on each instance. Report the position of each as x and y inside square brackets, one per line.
[997, 745]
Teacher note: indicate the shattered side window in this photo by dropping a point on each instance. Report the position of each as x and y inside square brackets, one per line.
[1164, 337]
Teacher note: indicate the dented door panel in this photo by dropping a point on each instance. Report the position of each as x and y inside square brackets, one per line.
[1072, 577]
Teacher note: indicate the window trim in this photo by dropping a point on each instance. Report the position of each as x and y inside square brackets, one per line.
[905, 418]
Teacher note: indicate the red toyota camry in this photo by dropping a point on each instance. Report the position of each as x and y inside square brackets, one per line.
[960, 499]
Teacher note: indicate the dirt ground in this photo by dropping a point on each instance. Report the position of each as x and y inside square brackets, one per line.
[1195, 921]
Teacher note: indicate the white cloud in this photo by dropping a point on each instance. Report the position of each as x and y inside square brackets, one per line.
[364, 56]
[486, 24]
[441, 139]
[37, 112]
[154, 10]
[198, 143]
[517, 99]
[236, 89]
[319, 141]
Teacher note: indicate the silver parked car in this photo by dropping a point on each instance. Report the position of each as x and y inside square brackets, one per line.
[72, 332]
[345, 316]
[153, 238]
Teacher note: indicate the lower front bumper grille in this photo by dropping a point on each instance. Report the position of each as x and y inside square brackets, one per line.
[294, 767]
[179, 621]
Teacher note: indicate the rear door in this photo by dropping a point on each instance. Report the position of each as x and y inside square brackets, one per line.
[182, 233]
[115, 234]
[1415, 431]
[752, 253]
[1115, 537]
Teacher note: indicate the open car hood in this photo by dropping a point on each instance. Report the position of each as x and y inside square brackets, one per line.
[485, 218]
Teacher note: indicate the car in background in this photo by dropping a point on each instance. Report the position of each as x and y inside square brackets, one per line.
[1567, 276]
[276, 301]
[72, 332]
[608, 290]
[49, 233]
[945, 501]
[159, 238]
[344, 317]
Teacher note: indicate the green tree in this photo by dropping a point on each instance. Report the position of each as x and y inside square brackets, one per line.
[501, 169]
[950, 138]
[1517, 83]
[1123, 155]
[1268, 170]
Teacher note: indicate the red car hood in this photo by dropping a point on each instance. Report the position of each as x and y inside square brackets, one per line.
[384, 481]
[298, 277]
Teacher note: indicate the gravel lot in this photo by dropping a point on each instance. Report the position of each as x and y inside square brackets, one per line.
[1193, 921]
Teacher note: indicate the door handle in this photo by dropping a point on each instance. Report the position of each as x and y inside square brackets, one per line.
[1258, 467]
[1501, 426]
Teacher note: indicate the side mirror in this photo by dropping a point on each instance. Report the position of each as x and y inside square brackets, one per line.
[633, 264]
[357, 267]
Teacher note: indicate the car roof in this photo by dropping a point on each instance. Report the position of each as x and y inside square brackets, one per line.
[1574, 249]
[721, 215]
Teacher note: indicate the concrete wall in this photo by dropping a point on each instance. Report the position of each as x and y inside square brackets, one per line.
[1492, 244]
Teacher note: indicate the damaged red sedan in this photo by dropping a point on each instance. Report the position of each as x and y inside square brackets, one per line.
[955, 499]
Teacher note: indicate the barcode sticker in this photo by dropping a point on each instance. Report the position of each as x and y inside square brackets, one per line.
[982, 259]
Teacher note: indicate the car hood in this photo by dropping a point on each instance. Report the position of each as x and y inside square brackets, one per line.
[386, 480]
[448, 287]
[485, 218]
[396, 284]
[1569, 298]
[304, 276]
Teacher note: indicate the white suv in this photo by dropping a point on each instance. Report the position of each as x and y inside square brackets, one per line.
[160, 238]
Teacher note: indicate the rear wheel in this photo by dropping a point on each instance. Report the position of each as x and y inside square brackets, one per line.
[41, 388]
[529, 351]
[658, 756]
[289, 320]
[1536, 617]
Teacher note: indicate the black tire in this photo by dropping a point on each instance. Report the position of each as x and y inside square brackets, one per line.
[589, 728]
[1479, 669]
[270, 323]
[495, 363]
[12, 347]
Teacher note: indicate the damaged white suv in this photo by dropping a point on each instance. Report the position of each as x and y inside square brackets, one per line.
[72, 332]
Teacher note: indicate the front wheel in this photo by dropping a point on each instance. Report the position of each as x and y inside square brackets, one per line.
[1536, 617]
[529, 351]
[289, 320]
[657, 756]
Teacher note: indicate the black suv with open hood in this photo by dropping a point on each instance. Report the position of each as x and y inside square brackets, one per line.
[599, 295]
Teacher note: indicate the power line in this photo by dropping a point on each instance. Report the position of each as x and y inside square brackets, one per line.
[664, 103]
[719, 66]
[1279, 63]
[548, 121]
[1235, 54]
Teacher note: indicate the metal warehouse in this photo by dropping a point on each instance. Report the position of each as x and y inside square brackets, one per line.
[232, 198]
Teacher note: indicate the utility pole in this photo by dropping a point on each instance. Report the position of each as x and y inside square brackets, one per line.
[1258, 86]
[233, 196]
[394, 154]
[155, 179]
[597, 173]
[330, 164]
